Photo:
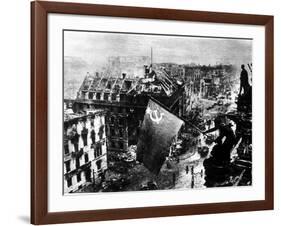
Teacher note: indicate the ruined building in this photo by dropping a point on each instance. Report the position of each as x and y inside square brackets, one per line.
[85, 153]
[125, 100]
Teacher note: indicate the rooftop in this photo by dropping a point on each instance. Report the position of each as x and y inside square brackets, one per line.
[157, 81]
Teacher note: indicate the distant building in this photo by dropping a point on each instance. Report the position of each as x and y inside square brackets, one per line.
[173, 70]
[85, 151]
[132, 66]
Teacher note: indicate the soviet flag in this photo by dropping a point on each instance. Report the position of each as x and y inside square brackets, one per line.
[159, 127]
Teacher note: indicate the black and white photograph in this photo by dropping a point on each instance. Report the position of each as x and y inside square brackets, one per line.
[147, 112]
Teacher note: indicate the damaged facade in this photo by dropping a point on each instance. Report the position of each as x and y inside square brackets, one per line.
[85, 152]
[125, 100]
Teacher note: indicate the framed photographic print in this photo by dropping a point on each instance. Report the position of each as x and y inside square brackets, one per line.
[146, 112]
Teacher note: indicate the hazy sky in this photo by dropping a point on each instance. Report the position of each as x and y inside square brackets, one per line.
[93, 48]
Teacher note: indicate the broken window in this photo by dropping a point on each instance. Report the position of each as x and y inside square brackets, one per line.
[113, 96]
[77, 162]
[93, 136]
[122, 97]
[121, 132]
[98, 151]
[91, 95]
[106, 95]
[67, 166]
[66, 149]
[101, 131]
[112, 131]
[84, 134]
[69, 182]
[98, 96]
[86, 157]
[79, 177]
[98, 163]
[121, 145]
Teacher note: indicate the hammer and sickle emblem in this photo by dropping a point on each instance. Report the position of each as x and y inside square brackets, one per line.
[156, 118]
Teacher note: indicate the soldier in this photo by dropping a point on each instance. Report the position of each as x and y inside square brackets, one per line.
[217, 166]
[244, 80]
[222, 150]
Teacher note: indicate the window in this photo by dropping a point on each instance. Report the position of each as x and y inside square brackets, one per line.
[112, 131]
[121, 132]
[98, 151]
[101, 131]
[66, 149]
[93, 136]
[121, 145]
[98, 164]
[69, 182]
[106, 95]
[77, 163]
[113, 96]
[79, 177]
[98, 96]
[122, 97]
[91, 95]
[67, 166]
[86, 157]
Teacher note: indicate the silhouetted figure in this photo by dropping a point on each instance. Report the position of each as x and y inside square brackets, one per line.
[244, 80]
[244, 102]
[217, 166]
[223, 148]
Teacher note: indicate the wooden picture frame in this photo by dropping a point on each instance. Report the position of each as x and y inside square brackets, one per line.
[39, 112]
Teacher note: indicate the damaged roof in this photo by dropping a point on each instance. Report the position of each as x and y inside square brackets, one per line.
[160, 83]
